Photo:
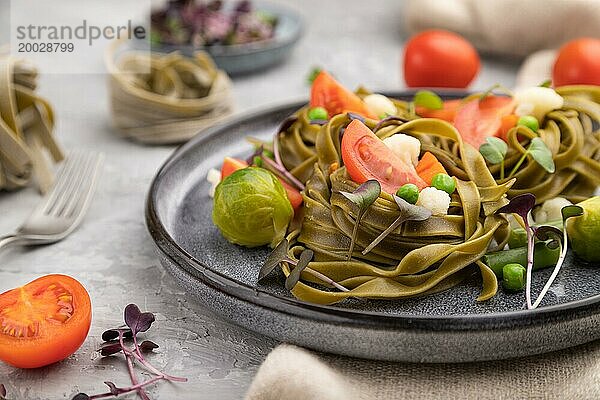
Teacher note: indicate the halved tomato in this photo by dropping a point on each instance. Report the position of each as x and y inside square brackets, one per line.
[230, 165]
[367, 157]
[447, 112]
[480, 119]
[328, 93]
[44, 321]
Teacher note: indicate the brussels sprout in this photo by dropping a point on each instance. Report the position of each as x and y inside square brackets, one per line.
[583, 231]
[251, 208]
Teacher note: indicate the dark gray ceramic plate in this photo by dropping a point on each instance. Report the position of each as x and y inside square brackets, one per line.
[445, 327]
[252, 57]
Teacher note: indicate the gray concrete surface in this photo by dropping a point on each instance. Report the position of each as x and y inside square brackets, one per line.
[112, 253]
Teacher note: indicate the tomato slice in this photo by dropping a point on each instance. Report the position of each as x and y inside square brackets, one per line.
[480, 119]
[44, 321]
[447, 112]
[230, 165]
[328, 93]
[367, 157]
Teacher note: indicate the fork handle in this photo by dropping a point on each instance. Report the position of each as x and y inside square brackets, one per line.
[7, 240]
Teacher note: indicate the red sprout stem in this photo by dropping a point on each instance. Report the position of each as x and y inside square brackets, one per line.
[134, 379]
[276, 149]
[284, 172]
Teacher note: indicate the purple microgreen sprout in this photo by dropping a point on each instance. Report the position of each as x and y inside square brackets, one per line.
[137, 322]
[294, 276]
[278, 168]
[407, 212]
[2, 392]
[546, 232]
[354, 116]
[540, 154]
[383, 122]
[363, 197]
[318, 121]
[280, 254]
[522, 206]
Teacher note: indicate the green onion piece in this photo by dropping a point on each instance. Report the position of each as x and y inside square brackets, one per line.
[544, 257]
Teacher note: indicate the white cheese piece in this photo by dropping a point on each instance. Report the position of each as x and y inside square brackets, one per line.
[404, 146]
[380, 105]
[214, 178]
[537, 101]
[435, 200]
[551, 210]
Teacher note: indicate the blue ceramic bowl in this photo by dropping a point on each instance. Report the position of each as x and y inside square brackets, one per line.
[246, 58]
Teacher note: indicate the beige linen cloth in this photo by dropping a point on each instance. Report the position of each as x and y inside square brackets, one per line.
[515, 27]
[508, 27]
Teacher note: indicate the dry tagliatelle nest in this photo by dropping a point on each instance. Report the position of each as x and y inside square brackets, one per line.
[26, 128]
[166, 98]
[422, 257]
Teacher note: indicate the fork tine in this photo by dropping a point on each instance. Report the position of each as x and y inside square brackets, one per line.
[86, 181]
[69, 184]
[61, 182]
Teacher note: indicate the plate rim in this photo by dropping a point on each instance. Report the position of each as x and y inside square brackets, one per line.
[168, 246]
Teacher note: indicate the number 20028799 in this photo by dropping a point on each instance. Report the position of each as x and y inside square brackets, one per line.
[45, 47]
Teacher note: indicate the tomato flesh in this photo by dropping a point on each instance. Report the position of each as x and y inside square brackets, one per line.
[480, 119]
[367, 157]
[328, 93]
[447, 112]
[44, 321]
[230, 165]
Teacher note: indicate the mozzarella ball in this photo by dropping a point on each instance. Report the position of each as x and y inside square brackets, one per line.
[380, 105]
[537, 101]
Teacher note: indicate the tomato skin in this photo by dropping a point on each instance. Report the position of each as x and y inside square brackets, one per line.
[54, 340]
[480, 119]
[367, 157]
[578, 63]
[230, 165]
[437, 58]
[328, 93]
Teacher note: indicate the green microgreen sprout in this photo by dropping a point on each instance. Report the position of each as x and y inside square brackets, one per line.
[280, 254]
[310, 78]
[540, 153]
[363, 197]
[496, 87]
[136, 322]
[547, 83]
[494, 151]
[548, 232]
[407, 212]
[522, 206]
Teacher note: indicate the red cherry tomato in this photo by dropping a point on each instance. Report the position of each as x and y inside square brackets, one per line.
[328, 93]
[44, 321]
[480, 119]
[439, 59]
[578, 62]
[367, 157]
[230, 165]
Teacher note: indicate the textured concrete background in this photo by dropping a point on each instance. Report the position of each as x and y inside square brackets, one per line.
[112, 254]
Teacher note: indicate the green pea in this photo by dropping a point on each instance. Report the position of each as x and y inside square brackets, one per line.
[316, 113]
[444, 182]
[409, 192]
[529, 121]
[513, 277]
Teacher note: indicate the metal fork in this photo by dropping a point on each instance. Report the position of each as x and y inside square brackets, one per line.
[64, 207]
